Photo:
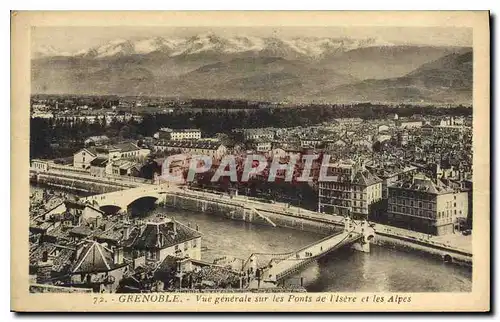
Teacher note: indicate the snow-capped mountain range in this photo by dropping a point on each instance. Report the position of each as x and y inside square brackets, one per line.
[311, 47]
[265, 68]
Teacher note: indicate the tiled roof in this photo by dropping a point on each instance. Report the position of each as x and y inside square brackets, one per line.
[115, 233]
[90, 150]
[41, 225]
[84, 231]
[366, 178]
[424, 184]
[59, 262]
[93, 258]
[126, 147]
[60, 232]
[169, 130]
[159, 235]
[169, 263]
[99, 162]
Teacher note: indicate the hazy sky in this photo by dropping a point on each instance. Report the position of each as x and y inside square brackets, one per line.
[76, 38]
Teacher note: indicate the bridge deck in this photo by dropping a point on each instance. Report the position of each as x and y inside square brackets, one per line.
[284, 267]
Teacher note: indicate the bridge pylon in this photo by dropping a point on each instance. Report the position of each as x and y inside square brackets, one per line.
[363, 228]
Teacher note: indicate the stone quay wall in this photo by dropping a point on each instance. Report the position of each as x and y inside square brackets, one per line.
[242, 212]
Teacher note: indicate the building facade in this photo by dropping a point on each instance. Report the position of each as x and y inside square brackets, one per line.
[423, 205]
[353, 191]
[180, 134]
[212, 149]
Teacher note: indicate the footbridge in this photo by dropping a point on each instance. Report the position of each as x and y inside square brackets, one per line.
[120, 200]
[269, 270]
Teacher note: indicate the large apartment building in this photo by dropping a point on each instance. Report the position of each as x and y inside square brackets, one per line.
[180, 134]
[354, 191]
[424, 205]
[213, 149]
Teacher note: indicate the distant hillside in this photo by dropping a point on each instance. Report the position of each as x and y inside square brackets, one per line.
[386, 61]
[270, 78]
[447, 79]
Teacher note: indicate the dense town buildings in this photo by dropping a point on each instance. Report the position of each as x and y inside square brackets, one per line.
[408, 172]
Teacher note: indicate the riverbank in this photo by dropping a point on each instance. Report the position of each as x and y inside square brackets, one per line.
[407, 244]
[244, 209]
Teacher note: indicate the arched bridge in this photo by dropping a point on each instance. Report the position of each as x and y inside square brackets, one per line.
[120, 200]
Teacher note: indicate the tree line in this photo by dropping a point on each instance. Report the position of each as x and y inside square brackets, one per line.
[52, 138]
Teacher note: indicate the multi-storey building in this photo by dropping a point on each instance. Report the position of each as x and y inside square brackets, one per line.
[353, 190]
[390, 173]
[84, 157]
[263, 145]
[423, 205]
[408, 123]
[257, 133]
[213, 149]
[162, 237]
[180, 134]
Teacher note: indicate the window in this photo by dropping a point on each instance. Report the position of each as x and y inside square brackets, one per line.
[152, 255]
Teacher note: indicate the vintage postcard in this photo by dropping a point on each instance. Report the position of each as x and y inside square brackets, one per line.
[250, 161]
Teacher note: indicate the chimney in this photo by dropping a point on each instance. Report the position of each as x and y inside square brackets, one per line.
[118, 255]
[126, 232]
[172, 227]
[44, 270]
[98, 222]
[160, 240]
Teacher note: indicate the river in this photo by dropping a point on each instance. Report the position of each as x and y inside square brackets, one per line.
[381, 270]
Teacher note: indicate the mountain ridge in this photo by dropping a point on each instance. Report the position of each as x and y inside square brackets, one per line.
[260, 68]
[312, 47]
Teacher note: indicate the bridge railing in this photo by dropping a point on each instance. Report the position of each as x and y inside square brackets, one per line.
[298, 262]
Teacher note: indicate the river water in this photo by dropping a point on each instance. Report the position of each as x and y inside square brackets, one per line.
[382, 270]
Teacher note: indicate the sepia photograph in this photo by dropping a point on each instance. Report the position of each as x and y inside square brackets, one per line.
[253, 163]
